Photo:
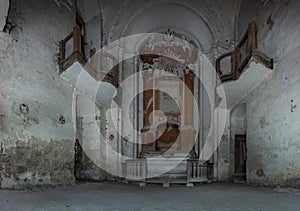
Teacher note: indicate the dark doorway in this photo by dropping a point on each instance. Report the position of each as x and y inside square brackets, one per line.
[240, 158]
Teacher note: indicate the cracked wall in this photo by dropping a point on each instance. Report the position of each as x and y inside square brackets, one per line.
[272, 110]
[37, 133]
[91, 134]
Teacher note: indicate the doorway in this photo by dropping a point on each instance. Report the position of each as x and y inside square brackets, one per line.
[238, 125]
[240, 158]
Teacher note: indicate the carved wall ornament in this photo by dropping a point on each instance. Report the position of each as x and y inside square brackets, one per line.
[24, 109]
[169, 65]
[62, 120]
[176, 47]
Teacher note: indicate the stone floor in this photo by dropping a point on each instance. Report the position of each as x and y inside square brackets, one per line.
[113, 196]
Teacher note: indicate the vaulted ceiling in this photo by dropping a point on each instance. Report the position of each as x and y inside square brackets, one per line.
[208, 23]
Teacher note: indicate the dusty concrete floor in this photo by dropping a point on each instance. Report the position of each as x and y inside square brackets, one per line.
[113, 196]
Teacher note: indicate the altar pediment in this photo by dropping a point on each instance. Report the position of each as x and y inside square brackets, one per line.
[170, 46]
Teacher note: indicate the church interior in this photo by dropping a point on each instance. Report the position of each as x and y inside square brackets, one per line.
[149, 105]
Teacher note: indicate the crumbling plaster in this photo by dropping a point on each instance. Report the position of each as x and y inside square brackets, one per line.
[37, 133]
[272, 109]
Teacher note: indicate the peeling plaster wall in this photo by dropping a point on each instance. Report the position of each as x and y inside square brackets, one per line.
[92, 14]
[223, 151]
[92, 139]
[37, 133]
[273, 109]
[4, 7]
[93, 35]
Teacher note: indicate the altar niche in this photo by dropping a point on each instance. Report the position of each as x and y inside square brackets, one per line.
[168, 105]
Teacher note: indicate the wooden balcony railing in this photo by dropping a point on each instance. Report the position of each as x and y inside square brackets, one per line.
[230, 65]
[65, 61]
[102, 66]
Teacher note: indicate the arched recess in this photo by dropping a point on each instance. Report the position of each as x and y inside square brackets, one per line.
[158, 17]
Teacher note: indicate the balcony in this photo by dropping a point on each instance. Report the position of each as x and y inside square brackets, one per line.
[100, 72]
[243, 69]
[71, 49]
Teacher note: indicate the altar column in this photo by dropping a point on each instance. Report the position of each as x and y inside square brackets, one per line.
[148, 131]
[187, 129]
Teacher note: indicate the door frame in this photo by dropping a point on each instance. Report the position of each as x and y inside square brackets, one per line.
[241, 176]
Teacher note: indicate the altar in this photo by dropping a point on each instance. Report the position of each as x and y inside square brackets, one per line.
[169, 136]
